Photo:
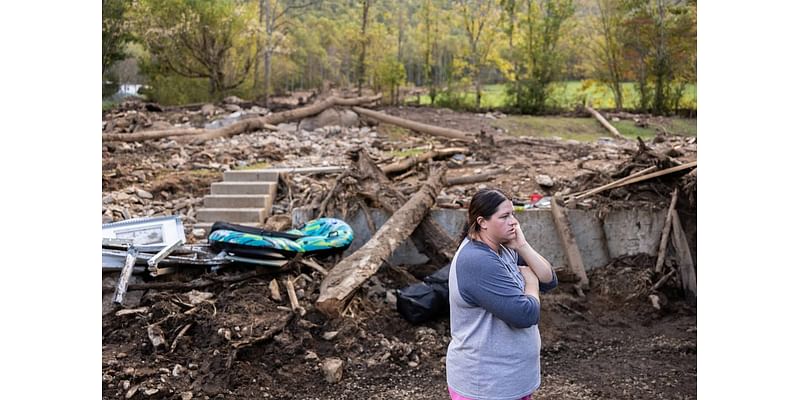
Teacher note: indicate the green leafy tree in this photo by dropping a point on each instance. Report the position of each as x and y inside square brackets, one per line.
[206, 39]
[660, 42]
[607, 49]
[541, 28]
[480, 19]
[115, 32]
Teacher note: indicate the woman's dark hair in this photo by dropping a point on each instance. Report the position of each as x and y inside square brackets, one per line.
[484, 204]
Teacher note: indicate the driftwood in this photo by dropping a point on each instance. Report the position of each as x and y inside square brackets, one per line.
[568, 242]
[289, 283]
[409, 162]
[611, 185]
[429, 237]
[463, 180]
[631, 179]
[662, 247]
[349, 274]
[605, 123]
[685, 262]
[660, 173]
[125, 275]
[243, 126]
[415, 126]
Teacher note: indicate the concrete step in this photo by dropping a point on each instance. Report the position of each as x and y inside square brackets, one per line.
[251, 175]
[244, 188]
[238, 201]
[235, 215]
[207, 225]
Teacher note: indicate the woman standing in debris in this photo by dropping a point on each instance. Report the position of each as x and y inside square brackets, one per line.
[495, 281]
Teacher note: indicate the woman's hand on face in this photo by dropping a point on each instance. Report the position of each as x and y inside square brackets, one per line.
[518, 241]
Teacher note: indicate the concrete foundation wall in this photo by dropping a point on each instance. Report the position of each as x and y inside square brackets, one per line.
[620, 232]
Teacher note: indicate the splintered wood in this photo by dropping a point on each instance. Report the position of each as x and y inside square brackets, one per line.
[349, 274]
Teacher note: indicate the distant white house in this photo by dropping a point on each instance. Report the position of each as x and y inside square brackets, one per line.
[129, 89]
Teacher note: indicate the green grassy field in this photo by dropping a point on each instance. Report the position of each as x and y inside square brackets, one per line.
[588, 129]
[568, 94]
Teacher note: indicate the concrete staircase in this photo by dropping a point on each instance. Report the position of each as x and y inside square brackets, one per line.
[244, 197]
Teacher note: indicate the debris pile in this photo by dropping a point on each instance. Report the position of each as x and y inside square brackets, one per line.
[323, 327]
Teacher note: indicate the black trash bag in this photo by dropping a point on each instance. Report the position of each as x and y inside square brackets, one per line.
[426, 300]
[440, 281]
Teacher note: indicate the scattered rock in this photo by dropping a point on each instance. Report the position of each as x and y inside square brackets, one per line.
[144, 194]
[232, 100]
[278, 223]
[208, 110]
[544, 180]
[333, 369]
[156, 336]
[330, 335]
[178, 370]
[198, 233]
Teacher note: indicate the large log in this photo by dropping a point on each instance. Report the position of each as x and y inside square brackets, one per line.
[605, 123]
[349, 274]
[415, 126]
[429, 237]
[409, 162]
[247, 125]
[568, 242]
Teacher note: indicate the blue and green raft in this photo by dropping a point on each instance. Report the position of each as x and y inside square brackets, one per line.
[319, 237]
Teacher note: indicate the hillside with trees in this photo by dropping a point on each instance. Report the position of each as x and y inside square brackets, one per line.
[535, 55]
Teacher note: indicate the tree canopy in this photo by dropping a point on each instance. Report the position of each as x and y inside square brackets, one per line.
[447, 50]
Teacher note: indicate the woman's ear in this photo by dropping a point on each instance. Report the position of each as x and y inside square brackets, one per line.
[480, 221]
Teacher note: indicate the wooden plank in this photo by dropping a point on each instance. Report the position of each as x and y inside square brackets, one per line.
[660, 173]
[662, 247]
[568, 242]
[616, 183]
[685, 263]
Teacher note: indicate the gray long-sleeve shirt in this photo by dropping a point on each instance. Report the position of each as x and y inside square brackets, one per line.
[494, 350]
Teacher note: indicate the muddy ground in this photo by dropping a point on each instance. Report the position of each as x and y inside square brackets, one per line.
[232, 340]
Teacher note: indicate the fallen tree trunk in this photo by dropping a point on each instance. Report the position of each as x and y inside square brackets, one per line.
[349, 274]
[247, 125]
[429, 237]
[415, 126]
[605, 123]
[409, 162]
[463, 180]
